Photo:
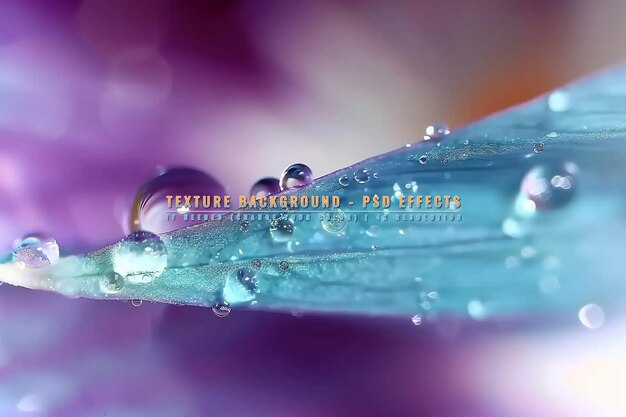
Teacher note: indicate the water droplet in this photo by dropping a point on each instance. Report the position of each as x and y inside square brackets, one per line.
[362, 176]
[549, 284]
[244, 226]
[334, 222]
[111, 283]
[247, 279]
[281, 229]
[140, 257]
[372, 231]
[550, 187]
[149, 209]
[445, 161]
[466, 142]
[591, 316]
[292, 246]
[296, 175]
[476, 309]
[136, 303]
[242, 286]
[265, 186]
[552, 135]
[559, 101]
[422, 159]
[221, 309]
[344, 180]
[538, 147]
[256, 263]
[374, 248]
[37, 251]
[283, 265]
[436, 131]
[417, 319]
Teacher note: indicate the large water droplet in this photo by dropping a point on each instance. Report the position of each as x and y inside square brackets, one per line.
[140, 257]
[37, 251]
[362, 176]
[265, 186]
[281, 229]
[550, 187]
[436, 131]
[538, 147]
[423, 159]
[111, 283]
[334, 221]
[296, 175]
[150, 206]
[417, 319]
[344, 180]
[591, 316]
[221, 309]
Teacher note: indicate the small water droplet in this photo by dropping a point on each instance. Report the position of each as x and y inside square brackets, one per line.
[538, 147]
[591, 316]
[140, 257]
[476, 309]
[256, 263]
[281, 229]
[283, 265]
[136, 303]
[265, 186]
[334, 222]
[437, 131]
[221, 309]
[244, 226]
[148, 211]
[445, 161]
[372, 231]
[111, 283]
[296, 175]
[466, 142]
[422, 159]
[362, 176]
[344, 180]
[417, 319]
[559, 101]
[37, 251]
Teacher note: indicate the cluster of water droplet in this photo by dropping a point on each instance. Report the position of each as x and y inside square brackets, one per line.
[436, 131]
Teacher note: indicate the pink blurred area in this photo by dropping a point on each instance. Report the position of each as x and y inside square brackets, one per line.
[96, 94]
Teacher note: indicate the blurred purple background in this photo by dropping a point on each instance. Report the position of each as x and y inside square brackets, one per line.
[96, 94]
